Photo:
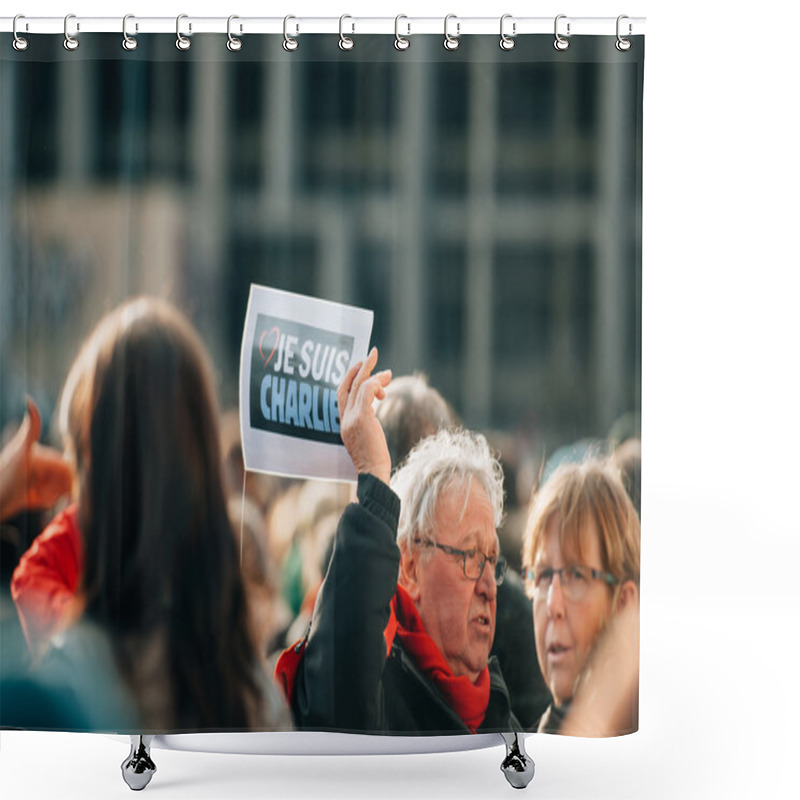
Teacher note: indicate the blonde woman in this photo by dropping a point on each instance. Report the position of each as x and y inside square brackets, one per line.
[581, 557]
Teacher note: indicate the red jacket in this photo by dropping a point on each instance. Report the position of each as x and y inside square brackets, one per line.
[48, 577]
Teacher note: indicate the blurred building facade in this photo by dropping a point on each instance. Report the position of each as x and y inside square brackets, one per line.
[486, 206]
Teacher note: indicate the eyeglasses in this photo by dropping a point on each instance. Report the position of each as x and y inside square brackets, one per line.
[575, 580]
[473, 561]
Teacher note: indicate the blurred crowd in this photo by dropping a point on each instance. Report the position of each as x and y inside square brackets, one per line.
[151, 584]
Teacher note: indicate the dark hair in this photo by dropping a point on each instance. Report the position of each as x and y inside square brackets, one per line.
[161, 566]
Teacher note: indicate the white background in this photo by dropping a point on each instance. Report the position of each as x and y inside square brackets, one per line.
[721, 559]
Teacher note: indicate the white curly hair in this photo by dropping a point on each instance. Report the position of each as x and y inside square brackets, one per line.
[446, 459]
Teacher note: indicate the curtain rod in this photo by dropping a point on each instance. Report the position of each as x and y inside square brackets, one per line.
[403, 26]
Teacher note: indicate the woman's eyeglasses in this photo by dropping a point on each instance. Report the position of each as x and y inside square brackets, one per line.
[575, 580]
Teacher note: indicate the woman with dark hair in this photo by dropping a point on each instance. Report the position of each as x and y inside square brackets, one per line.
[158, 567]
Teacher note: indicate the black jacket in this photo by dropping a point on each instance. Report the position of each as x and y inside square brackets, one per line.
[345, 680]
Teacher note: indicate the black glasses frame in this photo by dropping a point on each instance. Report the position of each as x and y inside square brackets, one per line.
[498, 562]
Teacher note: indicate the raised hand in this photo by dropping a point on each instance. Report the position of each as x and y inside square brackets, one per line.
[31, 475]
[362, 434]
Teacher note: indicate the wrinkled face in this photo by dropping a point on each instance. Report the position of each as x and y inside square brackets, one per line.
[566, 630]
[458, 613]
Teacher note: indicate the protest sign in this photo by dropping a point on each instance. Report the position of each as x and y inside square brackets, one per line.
[295, 352]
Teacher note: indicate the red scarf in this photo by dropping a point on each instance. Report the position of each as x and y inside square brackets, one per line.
[469, 700]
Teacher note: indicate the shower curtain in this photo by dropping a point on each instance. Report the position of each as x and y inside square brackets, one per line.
[482, 201]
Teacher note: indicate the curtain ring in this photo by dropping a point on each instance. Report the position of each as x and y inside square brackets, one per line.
[507, 42]
[345, 42]
[233, 44]
[182, 42]
[70, 42]
[20, 43]
[400, 42]
[561, 43]
[128, 42]
[623, 44]
[451, 42]
[289, 44]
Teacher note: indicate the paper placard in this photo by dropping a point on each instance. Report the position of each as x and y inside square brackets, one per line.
[295, 352]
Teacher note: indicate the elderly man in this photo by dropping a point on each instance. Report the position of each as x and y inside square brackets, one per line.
[405, 619]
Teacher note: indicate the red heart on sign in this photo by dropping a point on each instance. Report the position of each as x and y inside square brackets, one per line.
[274, 329]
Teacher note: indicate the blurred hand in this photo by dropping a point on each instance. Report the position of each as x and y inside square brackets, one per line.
[32, 475]
[362, 434]
[606, 702]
